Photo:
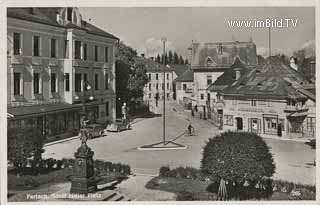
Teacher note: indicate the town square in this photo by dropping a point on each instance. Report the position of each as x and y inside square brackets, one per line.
[110, 104]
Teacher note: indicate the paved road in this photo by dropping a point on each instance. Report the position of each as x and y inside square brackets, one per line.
[291, 158]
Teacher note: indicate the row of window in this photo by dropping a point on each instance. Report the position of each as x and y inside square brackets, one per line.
[157, 76]
[37, 82]
[80, 48]
[78, 80]
[157, 96]
[157, 86]
[252, 102]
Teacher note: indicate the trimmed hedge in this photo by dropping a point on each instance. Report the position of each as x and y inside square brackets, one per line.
[182, 172]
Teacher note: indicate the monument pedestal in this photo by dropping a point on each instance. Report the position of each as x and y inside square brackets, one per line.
[83, 180]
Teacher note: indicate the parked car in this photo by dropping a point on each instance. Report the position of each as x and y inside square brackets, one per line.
[95, 130]
[118, 125]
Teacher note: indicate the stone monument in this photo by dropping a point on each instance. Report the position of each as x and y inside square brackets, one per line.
[83, 180]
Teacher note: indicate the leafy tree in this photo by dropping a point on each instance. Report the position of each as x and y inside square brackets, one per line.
[137, 80]
[130, 76]
[236, 158]
[170, 57]
[23, 145]
[175, 58]
[126, 54]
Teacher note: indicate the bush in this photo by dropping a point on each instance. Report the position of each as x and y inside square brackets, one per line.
[237, 157]
[195, 196]
[23, 145]
[164, 171]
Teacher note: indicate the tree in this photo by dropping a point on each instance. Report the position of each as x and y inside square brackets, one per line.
[175, 58]
[236, 158]
[170, 57]
[158, 59]
[23, 145]
[130, 76]
[260, 59]
[181, 61]
[138, 79]
[126, 53]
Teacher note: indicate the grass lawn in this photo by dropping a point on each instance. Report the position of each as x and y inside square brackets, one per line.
[189, 189]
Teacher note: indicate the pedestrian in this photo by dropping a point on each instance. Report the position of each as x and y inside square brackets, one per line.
[196, 108]
[192, 113]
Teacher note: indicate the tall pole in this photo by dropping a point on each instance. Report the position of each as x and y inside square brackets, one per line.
[164, 89]
[269, 41]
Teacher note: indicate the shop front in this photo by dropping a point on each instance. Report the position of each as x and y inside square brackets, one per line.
[55, 122]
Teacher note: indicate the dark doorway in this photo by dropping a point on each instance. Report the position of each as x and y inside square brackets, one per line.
[239, 123]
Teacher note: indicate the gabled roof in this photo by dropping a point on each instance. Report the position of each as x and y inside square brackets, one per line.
[273, 80]
[179, 69]
[187, 76]
[47, 16]
[229, 76]
[152, 66]
[223, 53]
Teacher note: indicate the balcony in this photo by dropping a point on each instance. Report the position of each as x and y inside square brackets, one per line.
[296, 110]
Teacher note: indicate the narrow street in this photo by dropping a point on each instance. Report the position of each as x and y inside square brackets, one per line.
[293, 159]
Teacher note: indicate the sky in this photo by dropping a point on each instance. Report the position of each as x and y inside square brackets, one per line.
[143, 28]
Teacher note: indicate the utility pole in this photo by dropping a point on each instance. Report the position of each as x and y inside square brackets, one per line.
[164, 39]
[269, 41]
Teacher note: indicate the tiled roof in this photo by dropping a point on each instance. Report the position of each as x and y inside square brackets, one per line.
[187, 76]
[47, 16]
[223, 53]
[229, 76]
[152, 66]
[270, 80]
[179, 69]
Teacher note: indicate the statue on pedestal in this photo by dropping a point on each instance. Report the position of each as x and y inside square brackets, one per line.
[83, 180]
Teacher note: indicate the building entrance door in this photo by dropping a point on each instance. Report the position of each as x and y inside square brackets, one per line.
[239, 123]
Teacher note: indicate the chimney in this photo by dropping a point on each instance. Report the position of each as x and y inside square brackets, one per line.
[238, 74]
[142, 55]
[31, 10]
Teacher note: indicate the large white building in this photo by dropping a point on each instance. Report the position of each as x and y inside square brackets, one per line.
[58, 65]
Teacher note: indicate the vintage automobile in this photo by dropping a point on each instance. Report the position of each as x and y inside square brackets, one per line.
[95, 130]
[119, 125]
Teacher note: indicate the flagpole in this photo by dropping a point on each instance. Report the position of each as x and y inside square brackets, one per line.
[164, 89]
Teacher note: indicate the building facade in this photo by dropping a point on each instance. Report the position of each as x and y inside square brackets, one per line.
[58, 66]
[210, 60]
[154, 89]
[272, 99]
[185, 89]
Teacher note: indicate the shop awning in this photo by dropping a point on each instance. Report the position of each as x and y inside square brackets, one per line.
[34, 110]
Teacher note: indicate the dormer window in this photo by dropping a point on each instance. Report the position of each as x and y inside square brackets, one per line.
[210, 62]
[220, 49]
[69, 14]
